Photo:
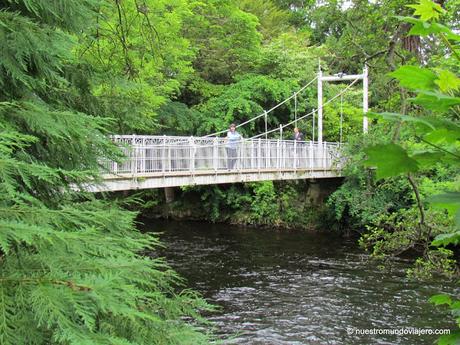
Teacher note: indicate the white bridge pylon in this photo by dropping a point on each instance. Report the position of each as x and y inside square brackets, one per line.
[320, 78]
[342, 77]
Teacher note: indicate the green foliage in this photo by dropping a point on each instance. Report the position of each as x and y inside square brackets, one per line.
[225, 39]
[439, 261]
[360, 200]
[283, 204]
[72, 269]
[273, 20]
[427, 10]
[454, 306]
[438, 137]
[399, 231]
[244, 100]
[346, 113]
[139, 57]
[431, 137]
[264, 206]
[415, 78]
[290, 55]
[389, 160]
[175, 118]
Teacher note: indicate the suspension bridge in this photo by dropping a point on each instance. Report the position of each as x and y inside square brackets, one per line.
[172, 161]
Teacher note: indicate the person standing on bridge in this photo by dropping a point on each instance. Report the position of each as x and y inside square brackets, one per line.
[298, 135]
[233, 139]
[299, 147]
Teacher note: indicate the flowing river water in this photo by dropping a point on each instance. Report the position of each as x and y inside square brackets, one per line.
[286, 287]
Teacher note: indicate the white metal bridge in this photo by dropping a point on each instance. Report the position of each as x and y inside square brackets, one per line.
[161, 161]
[171, 161]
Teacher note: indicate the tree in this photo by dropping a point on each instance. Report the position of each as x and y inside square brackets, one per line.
[273, 20]
[72, 269]
[431, 138]
[139, 59]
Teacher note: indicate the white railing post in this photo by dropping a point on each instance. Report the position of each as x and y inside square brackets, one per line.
[324, 155]
[192, 154]
[266, 124]
[143, 155]
[215, 160]
[134, 157]
[283, 154]
[169, 157]
[313, 126]
[163, 154]
[240, 160]
[311, 155]
[295, 154]
[253, 161]
[259, 153]
[268, 149]
[278, 154]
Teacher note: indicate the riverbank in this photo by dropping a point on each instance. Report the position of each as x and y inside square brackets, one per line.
[283, 205]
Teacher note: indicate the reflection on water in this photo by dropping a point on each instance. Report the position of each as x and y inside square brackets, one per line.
[295, 287]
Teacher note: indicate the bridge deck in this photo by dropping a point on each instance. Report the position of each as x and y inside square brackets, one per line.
[159, 161]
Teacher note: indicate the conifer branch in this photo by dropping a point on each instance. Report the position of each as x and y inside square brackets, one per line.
[68, 283]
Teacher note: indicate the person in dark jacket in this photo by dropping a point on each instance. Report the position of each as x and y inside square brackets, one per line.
[298, 136]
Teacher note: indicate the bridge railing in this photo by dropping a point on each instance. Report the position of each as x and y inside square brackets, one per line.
[167, 154]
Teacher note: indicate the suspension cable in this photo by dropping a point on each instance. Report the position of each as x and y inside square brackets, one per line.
[268, 111]
[312, 112]
[295, 110]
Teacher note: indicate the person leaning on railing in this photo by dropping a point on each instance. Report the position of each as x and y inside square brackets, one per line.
[233, 140]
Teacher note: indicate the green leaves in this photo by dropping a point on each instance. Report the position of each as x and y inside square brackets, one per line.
[443, 136]
[451, 202]
[425, 82]
[390, 160]
[440, 299]
[435, 101]
[446, 239]
[433, 131]
[448, 81]
[403, 118]
[427, 10]
[423, 28]
[415, 78]
[454, 305]
[427, 141]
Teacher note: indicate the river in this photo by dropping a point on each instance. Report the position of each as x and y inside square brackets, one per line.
[288, 287]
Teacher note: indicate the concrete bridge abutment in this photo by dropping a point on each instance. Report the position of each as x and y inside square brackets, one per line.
[169, 194]
[320, 189]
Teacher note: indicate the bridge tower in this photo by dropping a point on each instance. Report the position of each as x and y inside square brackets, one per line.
[342, 77]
